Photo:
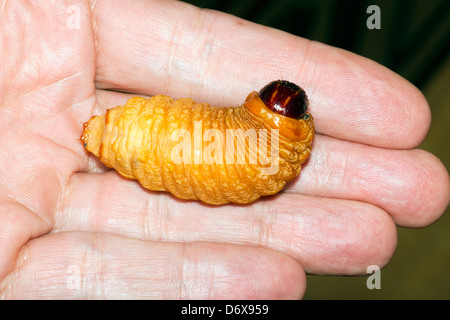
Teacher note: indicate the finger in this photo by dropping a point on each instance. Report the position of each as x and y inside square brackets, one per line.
[413, 186]
[173, 48]
[327, 236]
[101, 266]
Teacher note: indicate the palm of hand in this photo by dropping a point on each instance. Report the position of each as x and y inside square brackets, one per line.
[62, 216]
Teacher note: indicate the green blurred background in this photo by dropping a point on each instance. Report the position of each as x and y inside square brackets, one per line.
[414, 41]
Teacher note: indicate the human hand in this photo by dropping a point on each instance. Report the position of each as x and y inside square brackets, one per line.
[69, 228]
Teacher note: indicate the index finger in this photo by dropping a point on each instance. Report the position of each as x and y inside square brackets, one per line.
[165, 47]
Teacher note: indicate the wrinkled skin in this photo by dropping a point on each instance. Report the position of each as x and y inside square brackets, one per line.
[69, 228]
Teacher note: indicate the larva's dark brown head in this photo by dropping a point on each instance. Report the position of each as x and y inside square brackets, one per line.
[285, 98]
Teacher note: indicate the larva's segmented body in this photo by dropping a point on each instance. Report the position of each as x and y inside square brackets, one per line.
[193, 150]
